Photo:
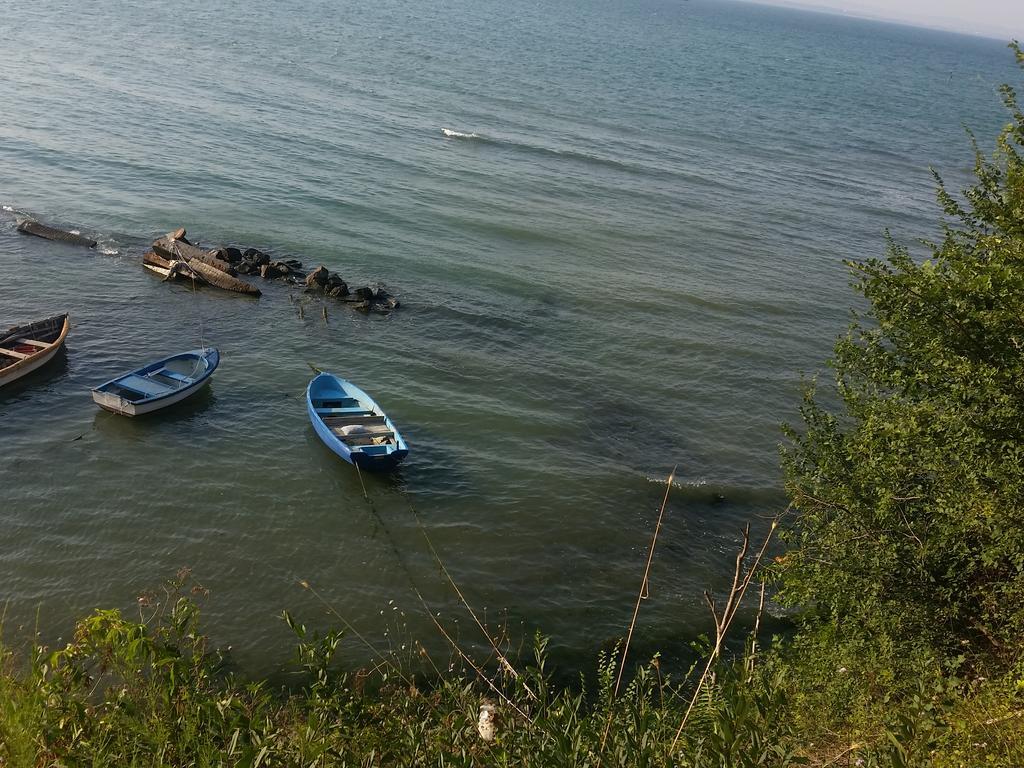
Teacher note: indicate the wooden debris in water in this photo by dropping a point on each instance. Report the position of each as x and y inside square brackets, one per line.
[30, 227]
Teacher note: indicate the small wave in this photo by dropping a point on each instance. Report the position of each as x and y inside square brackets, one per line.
[8, 209]
[702, 490]
[458, 134]
[107, 251]
[677, 483]
[572, 155]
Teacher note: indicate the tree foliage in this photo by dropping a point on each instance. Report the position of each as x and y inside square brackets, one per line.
[908, 483]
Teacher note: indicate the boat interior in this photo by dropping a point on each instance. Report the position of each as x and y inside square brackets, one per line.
[162, 381]
[356, 426]
[28, 341]
[20, 349]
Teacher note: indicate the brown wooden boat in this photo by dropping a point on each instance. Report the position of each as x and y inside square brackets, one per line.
[24, 348]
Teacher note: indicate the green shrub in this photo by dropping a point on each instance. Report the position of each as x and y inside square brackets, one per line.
[909, 495]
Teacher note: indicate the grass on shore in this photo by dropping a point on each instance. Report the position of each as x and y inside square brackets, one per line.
[150, 692]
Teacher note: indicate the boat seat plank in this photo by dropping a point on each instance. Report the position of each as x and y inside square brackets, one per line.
[12, 353]
[344, 421]
[143, 385]
[368, 439]
[176, 376]
[34, 343]
[356, 411]
[335, 402]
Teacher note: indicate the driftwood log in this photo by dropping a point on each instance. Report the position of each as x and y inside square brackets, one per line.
[214, 276]
[181, 249]
[49, 233]
[169, 268]
[205, 264]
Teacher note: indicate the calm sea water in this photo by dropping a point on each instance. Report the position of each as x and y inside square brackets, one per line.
[627, 267]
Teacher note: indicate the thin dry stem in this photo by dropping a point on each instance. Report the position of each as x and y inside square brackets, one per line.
[642, 595]
[348, 625]
[469, 661]
[741, 580]
[462, 599]
[757, 628]
[844, 753]
[1004, 718]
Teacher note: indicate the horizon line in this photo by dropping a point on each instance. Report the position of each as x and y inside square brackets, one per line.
[804, 5]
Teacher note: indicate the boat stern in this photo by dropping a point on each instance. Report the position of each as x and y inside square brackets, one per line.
[113, 403]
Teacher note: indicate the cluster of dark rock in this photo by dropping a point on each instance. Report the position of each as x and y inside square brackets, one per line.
[366, 298]
[253, 261]
[174, 256]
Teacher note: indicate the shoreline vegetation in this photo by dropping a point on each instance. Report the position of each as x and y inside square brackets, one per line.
[903, 564]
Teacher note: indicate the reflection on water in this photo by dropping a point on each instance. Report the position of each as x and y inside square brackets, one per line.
[188, 412]
[21, 389]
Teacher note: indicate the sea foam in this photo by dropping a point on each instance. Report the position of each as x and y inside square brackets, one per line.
[458, 134]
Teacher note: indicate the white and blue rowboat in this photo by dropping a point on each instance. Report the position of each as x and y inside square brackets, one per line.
[158, 384]
[352, 425]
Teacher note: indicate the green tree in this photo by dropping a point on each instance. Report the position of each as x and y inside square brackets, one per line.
[907, 478]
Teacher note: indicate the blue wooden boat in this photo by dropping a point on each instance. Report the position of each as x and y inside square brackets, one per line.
[158, 385]
[352, 425]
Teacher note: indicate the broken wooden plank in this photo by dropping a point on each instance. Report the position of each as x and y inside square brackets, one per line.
[168, 268]
[50, 233]
[215, 277]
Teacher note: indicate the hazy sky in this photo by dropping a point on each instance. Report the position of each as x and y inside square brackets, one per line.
[994, 18]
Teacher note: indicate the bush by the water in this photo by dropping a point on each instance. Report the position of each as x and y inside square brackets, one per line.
[150, 692]
[905, 555]
[904, 570]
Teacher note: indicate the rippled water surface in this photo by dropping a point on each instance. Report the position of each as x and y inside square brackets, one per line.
[624, 263]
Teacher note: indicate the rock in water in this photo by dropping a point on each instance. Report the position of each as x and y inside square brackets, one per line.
[230, 255]
[256, 256]
[318, 277]
[336, 286]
